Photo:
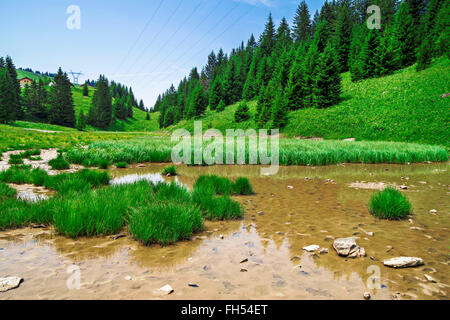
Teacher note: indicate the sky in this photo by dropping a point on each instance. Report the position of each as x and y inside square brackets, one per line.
[145, 44]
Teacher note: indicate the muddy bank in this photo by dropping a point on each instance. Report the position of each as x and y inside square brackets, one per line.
[301, 206]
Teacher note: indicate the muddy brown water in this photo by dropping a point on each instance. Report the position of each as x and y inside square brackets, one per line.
[279, 221]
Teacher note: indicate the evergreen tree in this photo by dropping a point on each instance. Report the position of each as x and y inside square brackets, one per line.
[343, 36]
[242, 114]
[425, 55]
[100, 114]
[404, 36]
[129, 106]
[309, 75]
[283, 35]
[280, 110]
[61, 108]
[327, 89]
[216, 94]
[82, 121]
[7, 97]
[267, 41]
[232, 86]
[35, 98]
[265, 102]
[198, 103]
[147, 117]
[386, 54]
[356, 45]
[221, 106]
[442, 30]
[11, 68]
[369, 60]
[295, 91]
[302, 23]
[85, 92]
[141, 105]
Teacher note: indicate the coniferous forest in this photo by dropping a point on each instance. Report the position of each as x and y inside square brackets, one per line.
[298, 65]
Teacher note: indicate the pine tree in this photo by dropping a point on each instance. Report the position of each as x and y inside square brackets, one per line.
[442, 30]
[280, 110]
[141, 105]
[101, 108]
[267, 41]
[19, 114]
[355, 53]
[309, 75]
[85, 91]
[147, 117]
[61, 108]
[34, 98]
[7, 97]
[302, 23]
[283, 35]
[327, 89]
[242, 114]
[404, 36]
[425, 55]
[369, 60]
[386, 54]
[221, 106]
[216, 94]
[343, 36]
[198, 103]
[82, 121]
[232, 86]
[265, 102]
[129, 107]
[295, 91]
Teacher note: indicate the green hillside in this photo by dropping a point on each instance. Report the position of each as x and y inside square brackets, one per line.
[406, 107]
[22, 74]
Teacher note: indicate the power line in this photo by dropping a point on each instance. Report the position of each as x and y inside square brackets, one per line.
[210, 44]
[154, 37]
[138, 38]
[198, 41]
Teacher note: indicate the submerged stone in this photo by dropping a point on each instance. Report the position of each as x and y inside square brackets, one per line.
[347, 247]
[403, 262]
[9, 283]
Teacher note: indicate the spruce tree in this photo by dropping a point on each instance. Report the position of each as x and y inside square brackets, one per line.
[216, 94]
[327, 89]
[309, 75]
[82, 121]
[242, 114]
[7, 97]
[101, 107]
[404, 36]
[295, 91]
[425, 54]
[280, 110]
[147, 117]
[19, 114]
[302, 23]
[267, 41]
[141, 105]
[221, 106]
[442, 30]
[85, 91]
[369, 60]
[198, 103]
[343, 36]
[356, 45]
[61, 108]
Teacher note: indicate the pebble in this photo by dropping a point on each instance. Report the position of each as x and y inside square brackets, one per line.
[433, 211]
[290, 187]
[430, 278]
[193, 285]
[244, 260]
[128, 278]
[244, 270]
[221, 237]
[323, 251]
[366, 295]
[311, 248]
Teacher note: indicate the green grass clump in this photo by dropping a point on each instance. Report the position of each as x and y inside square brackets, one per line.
[15, 159]
[35, 158]
[29, 153]
[165, 223]
[6, 192]
[80, 181]
[242, 186]
[59, 163]
[121, 165]
[104, 164]
[389, 204]
[205, 194]
[171, 170]
[16, 174]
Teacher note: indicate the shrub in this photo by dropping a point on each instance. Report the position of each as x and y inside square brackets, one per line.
[242, 186]
[389, 204]
[121, 165]
[59, 163]
[242, 114]
[165, 223]
[171, 170]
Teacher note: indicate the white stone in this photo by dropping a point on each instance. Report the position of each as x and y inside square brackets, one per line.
[9, 283]
[347, 247]
[430, 278]
[433, 211]
[367, 295]
[311, 248]
[403, 262]
[166, 290]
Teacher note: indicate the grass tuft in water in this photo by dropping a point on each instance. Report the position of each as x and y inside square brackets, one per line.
[104, 164]
[6, 192]
[242, 186]
[59, 163]
[15, 159]
[121, 165]
[165, 222]
[390, 204]
[170, 170]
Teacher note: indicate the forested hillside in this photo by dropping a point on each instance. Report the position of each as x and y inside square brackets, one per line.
[296, 67]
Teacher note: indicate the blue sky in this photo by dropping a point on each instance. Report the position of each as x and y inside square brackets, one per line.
[121, 40]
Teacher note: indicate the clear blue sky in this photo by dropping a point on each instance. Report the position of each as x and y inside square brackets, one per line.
[179, 37]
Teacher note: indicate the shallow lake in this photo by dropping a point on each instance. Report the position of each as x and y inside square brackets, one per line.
[298, 207]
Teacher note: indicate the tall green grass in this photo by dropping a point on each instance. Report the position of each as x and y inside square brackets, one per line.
[291, 152]
[169, 171]
[165, 222]
[390, 204]
[59, 163]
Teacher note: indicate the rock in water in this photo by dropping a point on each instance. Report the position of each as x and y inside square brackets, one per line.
[311, 248]
[366, 295]
[166, 290]
[347, 247]
[403, 262]
[9, 283]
